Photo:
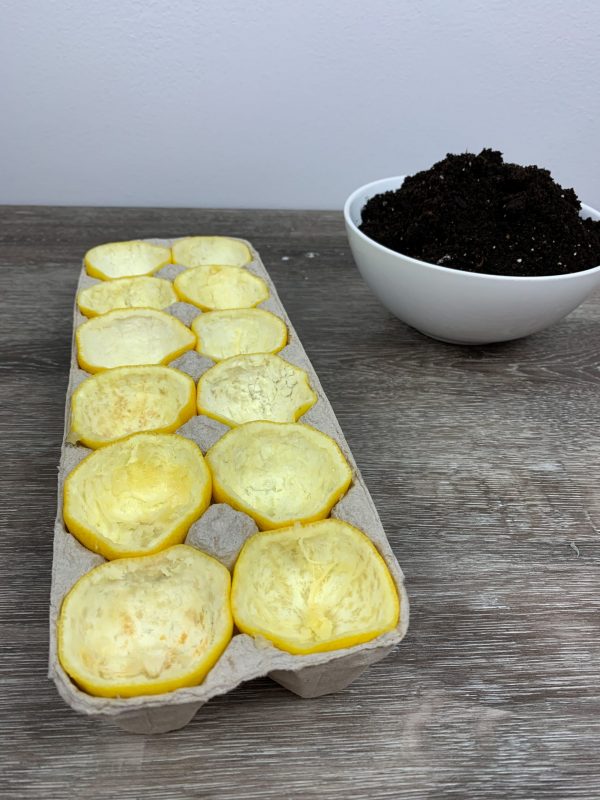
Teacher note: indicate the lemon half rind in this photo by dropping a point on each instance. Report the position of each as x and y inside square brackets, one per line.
[194, 251]
[136, 687]
[206, 406]
[253, 292]
[97, 542]
[162, 257]
[288, 644]
[223, 494]
[159, 295]
[229, 319]
[168, 321]
[185, 412]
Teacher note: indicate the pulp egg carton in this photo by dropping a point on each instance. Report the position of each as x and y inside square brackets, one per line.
[221, 532]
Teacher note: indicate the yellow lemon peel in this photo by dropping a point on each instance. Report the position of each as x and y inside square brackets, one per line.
[196, 250]
[119, 402]
[278, 472]
[143, 292]
[131, 336]
[125, 259]
[313, 588]
[254, 387]
[138, 496]
[213, 287]
[146, 625]
[235, 332]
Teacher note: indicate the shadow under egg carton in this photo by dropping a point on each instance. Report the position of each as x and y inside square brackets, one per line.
[221, 532]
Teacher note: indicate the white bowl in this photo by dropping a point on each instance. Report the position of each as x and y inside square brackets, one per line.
[455, 306]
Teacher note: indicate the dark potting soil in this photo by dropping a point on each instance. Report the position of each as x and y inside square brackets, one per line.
[478, 214]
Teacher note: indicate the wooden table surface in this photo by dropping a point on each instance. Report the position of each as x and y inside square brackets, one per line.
[484, 464]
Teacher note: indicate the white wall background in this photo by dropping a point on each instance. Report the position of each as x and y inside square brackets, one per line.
[279, 103]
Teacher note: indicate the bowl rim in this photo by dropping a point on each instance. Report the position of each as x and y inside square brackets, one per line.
[368, 187]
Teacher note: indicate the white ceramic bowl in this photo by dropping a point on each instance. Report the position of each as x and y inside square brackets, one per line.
[455, 306]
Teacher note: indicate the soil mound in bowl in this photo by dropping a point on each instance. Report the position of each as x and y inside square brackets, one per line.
[477, 213]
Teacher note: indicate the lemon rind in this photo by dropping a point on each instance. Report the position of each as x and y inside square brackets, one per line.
[278, 349]
[94, 369]
[181, 294]
[91, 313]
[220, 494]
[298, 412]
[97, 543]
[338, 643]
[186, 412]
[96, 272]
[185, 239]
[139, 688]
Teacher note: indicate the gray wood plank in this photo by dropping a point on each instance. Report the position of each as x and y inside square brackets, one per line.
[484, 465]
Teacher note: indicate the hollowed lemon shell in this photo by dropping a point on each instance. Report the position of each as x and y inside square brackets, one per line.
[138, 496]
[313, 588]
[119, 402]
[148, 625]
[196, 250]
[125, 259]
[214, 287]
[235, 332]
[254, 387]
[131, 336]
[278, 472]
[142, 292]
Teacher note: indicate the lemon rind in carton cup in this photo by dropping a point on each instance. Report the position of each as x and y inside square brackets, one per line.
[221, 533]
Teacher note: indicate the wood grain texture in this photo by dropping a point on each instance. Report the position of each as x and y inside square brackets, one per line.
[484, 464]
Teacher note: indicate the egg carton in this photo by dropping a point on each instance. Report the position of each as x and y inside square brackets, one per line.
[221, 532]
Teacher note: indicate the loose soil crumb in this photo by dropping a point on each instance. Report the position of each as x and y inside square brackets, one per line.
[478, 214]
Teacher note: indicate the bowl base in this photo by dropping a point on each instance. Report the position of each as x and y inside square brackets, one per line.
[458, 341]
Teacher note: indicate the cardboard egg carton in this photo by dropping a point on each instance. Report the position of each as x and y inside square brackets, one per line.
[221, 532]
